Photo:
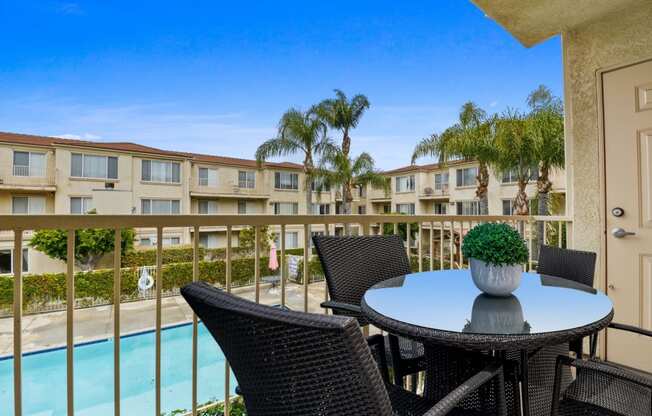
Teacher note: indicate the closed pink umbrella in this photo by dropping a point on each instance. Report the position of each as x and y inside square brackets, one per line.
[273, 261]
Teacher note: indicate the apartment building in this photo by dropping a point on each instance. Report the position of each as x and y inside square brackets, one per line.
[49, 175]
[450, 190]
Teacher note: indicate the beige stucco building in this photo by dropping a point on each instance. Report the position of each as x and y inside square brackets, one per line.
[450, 189]
[47, 175]
[607, 54]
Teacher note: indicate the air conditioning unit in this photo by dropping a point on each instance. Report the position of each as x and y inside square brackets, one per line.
[428, 191]
[109, 185]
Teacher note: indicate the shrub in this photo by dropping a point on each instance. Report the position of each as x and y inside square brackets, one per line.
[496, 244]
[97, 285]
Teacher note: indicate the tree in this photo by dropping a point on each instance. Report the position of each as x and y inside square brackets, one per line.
[514, 146]
[339, 171]
[298, 132]
[247, 240]
[471, 138]
[90, 244]
[546, 126]
[343, 115]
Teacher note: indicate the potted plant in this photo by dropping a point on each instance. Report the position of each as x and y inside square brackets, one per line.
[496, 253]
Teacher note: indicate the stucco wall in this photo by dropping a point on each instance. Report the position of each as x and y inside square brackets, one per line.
[619, 39]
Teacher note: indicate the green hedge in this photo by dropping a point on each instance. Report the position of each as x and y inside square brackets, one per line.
[137, 258]
[98, 284]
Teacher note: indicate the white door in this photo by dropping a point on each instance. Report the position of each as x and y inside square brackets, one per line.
[627, 95]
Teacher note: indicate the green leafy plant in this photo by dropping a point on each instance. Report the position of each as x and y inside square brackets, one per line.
[496, 244]
[90, 244]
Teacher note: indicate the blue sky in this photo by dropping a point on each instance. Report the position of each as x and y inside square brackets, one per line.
[215, 76]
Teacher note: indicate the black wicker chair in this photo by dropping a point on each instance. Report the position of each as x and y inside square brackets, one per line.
[293, 363]
[575, 265]
[603, 388]
[354, 264]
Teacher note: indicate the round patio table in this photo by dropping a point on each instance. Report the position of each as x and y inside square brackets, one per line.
[446, 311]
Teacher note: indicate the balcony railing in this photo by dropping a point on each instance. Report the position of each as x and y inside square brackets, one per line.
[29, 171]
[439, 235]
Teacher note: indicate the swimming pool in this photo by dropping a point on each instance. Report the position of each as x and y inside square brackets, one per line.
[44, 375]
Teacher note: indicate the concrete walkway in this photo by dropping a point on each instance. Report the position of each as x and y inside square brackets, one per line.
[48, 330]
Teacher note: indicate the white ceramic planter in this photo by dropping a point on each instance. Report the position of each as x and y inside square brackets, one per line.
[495, 280]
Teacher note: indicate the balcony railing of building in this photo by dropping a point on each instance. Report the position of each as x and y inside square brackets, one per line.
[437, 244]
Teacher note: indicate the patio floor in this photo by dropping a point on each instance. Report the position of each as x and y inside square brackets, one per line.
[48, 330]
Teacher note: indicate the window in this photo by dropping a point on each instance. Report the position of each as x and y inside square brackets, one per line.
[242, 207]
[405, 209]
[321, 209]
[316, 184]
[81, 204]
[286, 208]
[440, 208]
[161, 171]
[207, 177]
[466, 176]
[286, 180]
[405, 183]
[339, 207]
[441, 182]
[29, 164]
[387, 209]
[511, 176]
[167, 241]
[246, 179]
[207, 206]
[28, 205]
[7, 261]
[91, 166]
[508, 207]
[362, 209]
[291, 239]
[468, 208]
[160, 206]
[362, 191]
[208, 240]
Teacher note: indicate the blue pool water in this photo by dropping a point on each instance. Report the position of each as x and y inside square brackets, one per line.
[44, 376]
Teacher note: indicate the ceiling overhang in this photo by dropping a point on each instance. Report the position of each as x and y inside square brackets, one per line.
[533, 21]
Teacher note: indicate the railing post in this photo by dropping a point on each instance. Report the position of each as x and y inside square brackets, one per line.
[257, 261]
[431, 245]
[441, 245]
[306, 265]
[117, 289]
[420, 248]
[70, 320]
[283, 265]
[452, 246]
[159, 320]
[461, 265]
[18, 315]
[227, 283]
[195, 331]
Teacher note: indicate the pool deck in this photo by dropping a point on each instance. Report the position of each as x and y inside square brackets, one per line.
[48, 330]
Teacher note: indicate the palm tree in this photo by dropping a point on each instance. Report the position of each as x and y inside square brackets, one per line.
[514, 146]
[298, 132]
[546, 126]
[340, 171]
[343, 115]
[471, 138]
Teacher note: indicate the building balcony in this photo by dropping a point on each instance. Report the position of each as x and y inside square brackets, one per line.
[434, 194]
[27, 178]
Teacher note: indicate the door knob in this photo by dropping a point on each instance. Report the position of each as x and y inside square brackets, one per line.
[620, 233]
